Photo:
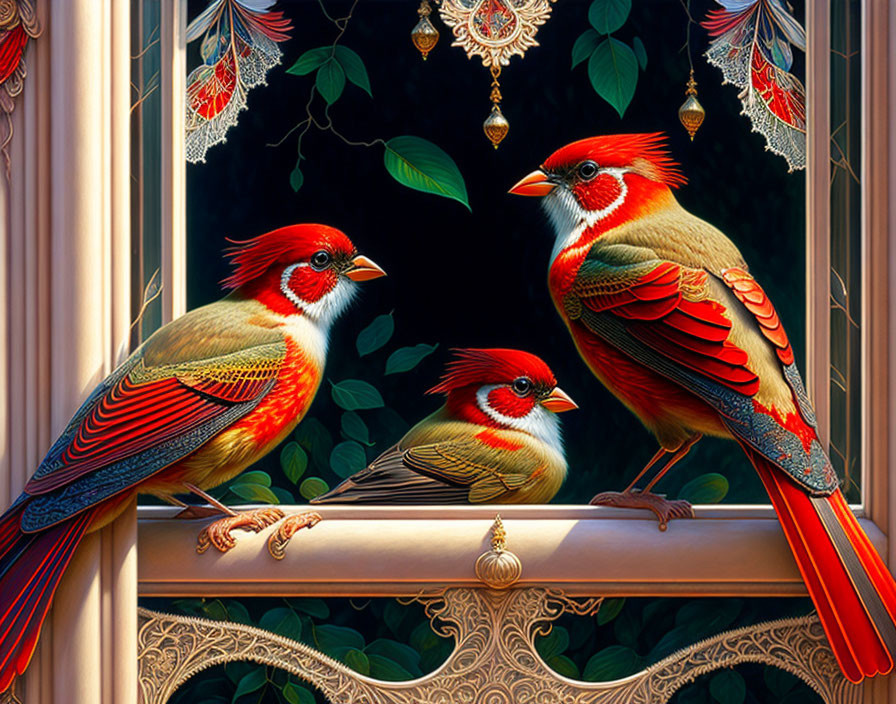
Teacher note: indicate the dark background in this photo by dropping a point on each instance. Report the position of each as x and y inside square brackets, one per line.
[479, 279]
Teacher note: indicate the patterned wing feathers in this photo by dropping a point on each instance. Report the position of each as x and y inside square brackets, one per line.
[754, 300]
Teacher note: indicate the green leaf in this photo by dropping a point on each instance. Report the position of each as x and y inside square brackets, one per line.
[216, 610]
[728, 687]
[330, 81]
[613, 70]
[294, 461]
[238, 613]
[235, 671]
[563, 665]
[356, 395]
[358, 661]
[607, 16]
[707, 617]
[709, 488]
[385, 669]
[329, 638]
[315, 439]
[640, 52]
[394, 615]
[404, 655]
[347, 458]
[296, 694]
[313, 487]
[284, 497]
[256, 476]
[255, 493]
[375, 335]
[310, 60]
[354, 68]
[555, 643]
[419, 164]
[283, 622]
[609, 610]
[780, 682]
[312, 606]
[251, 683]
[626, 628]
[296, 178]
[355, 428]
[406, 358]
[674, 639]
[584, 46]
[612, 663]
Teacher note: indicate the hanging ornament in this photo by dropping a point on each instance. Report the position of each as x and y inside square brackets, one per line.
[752, 46]
[496, 125]
[495, 30]
[18, 24]
[239, 46]
[691, 113]
[425, 35]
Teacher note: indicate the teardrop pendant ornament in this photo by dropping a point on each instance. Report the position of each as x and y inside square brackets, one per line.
[425, 35]
[496, 126]
[691, 113]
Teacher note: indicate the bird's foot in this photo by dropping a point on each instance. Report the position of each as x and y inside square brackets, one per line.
[289, 527]
[664, 509]
[218, 533]
[193, 512]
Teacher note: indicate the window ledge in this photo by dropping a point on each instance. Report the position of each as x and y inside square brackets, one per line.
[393, 551]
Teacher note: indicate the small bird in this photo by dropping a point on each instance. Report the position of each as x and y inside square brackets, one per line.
[663, 309]
[203, 398]
[496, 439]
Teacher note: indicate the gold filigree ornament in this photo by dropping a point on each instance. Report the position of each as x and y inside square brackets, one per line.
[495, 30]
[425, 35]
[498, 568]
[691, 113]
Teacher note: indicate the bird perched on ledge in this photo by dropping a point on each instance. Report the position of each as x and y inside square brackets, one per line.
[664, 311]
[203, 398]
[496, 439]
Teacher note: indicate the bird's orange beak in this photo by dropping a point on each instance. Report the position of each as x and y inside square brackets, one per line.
[559, 401]
[535, 184]
[364, 269]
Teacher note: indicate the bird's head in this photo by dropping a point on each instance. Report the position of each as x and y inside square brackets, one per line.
[598, 183]
[506, 389]
[308, 269]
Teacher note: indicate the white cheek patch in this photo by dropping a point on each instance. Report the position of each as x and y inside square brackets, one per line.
[539, 422]
[569, 219]
[330, 305]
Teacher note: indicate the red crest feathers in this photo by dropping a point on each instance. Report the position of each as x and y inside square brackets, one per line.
[251, 258]
[622, 150]
[475, 367]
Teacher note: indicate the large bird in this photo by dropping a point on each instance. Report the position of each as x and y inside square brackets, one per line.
[203, 398]
[495, 440]
[663, 309]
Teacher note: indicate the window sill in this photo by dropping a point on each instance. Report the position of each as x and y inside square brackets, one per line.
[393, 551]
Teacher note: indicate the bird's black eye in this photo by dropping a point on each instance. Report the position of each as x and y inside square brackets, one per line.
[587, 170]
[320, 260]
[521, 386]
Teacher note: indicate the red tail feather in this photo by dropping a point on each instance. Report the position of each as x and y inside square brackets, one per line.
[31, 566]
[853, 592]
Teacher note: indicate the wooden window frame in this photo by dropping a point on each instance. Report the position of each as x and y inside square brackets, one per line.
[725, 551]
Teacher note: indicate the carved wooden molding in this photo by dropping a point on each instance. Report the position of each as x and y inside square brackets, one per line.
[494, 660]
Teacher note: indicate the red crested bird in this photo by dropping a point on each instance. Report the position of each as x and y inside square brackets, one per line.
[203, 398]
[664, 311]
[495, 440]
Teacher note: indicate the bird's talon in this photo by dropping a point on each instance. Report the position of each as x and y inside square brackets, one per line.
[664, 509]
[219, 532]
[289, 527]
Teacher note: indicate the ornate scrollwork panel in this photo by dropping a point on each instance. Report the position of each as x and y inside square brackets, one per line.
[494, 660]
